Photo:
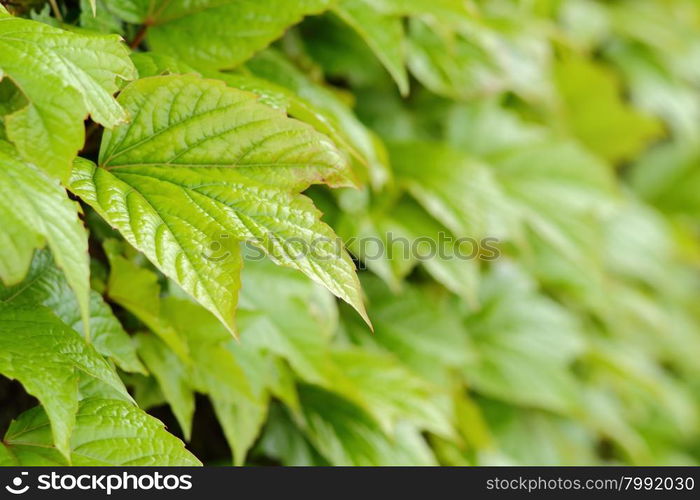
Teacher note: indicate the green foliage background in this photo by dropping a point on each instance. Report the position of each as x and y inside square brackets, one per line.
[569, 130]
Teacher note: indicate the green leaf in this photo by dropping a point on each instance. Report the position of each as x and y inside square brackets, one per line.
[589, 91]
[524, 344]
[451, 9]
[217, 372]
[47, 357]
[458, 191]
[137, 290]
[345, 435]
[420, 325]
[383, 33]
[49, 130]
[215, 34]
[101, 19]
[451, 64]
[555, 187]
[47, 286]
[185, 184]
[217, 369]
[406, 236]
[289, 320]
[390, 392]
[35, 208]
[172, 377]
[107, 433]
[286, 87]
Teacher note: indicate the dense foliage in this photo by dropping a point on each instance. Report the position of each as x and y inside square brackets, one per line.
[165, 166]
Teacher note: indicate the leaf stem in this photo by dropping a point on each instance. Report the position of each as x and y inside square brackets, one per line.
[140, 35]
[56, 10]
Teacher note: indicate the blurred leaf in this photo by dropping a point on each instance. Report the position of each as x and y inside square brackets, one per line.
[345, 435]
[383, 33]
[172, 378]
[589, 92]
[524, 345]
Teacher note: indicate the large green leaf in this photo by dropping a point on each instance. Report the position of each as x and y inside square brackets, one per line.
[215, 34]
[185, 184]
[48, 131]
[107, 433]
[34, 208]
[48, 357]
[281, 85]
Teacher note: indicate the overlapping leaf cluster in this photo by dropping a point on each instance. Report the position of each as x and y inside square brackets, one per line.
[158, 203]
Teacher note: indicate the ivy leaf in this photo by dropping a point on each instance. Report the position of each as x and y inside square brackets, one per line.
[49, 130]
[46, 285]
[383, 33]
[107, 433]
[281, 85]
[185, 183]
[34, 209]
[47, 357]
[215, 34]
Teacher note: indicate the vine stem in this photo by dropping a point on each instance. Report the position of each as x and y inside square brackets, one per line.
[56, 10]
[140, 35]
